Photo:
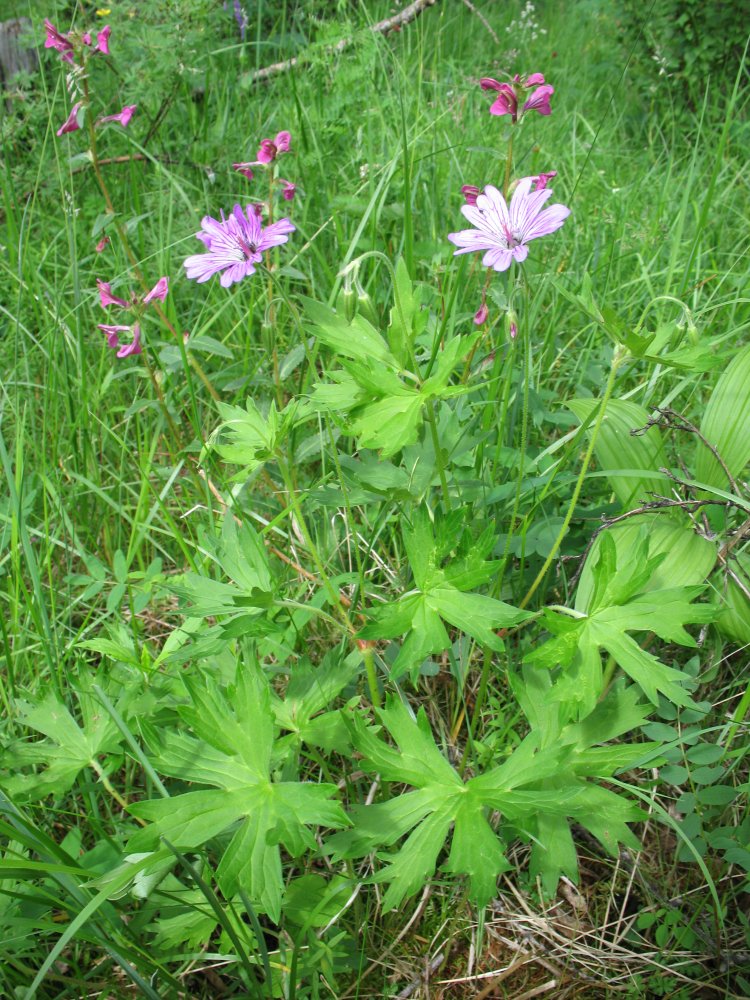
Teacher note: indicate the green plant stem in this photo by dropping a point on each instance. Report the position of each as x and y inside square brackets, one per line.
[617, 359]
[438, 453]
[333, 594]
[508, 165]
[372, 675]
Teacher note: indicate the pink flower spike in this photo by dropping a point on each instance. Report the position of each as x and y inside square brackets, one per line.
[102, 244]
[539, 100]
[71, 122]
[134, 347]
[107, 298]
[542, 180]
[112, 332]
[480, 316]
[159, 291]
[102, 40]
[283, 142]
[244, 169]
[235, 245]
[122, 117]
[289, 190]
[470, 192]
[534, 80]
[504, 231]
[57, 40]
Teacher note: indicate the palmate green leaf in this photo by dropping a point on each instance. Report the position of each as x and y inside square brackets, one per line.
[240, 555]
[310, 692]
[550, 782]
[356, 339]
[616, 608]
[232, 751]
[68, 749]
[440, 597]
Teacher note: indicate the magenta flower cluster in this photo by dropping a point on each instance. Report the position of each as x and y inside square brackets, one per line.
[236, 244]
[268, 151]
[74, 48]
[69, 44]
[511, 95]
[502, 231]
[135, 304]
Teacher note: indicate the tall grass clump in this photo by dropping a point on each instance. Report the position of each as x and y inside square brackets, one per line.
[374, 573]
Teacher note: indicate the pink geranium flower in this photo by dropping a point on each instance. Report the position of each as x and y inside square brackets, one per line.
[504, 232]
[122, 117]
[234, 245]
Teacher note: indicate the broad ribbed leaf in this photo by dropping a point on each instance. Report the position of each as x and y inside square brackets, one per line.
[621, 454]
[726, 424]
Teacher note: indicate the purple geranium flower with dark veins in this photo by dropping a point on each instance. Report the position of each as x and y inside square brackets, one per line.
[504, 232]
[235, 245]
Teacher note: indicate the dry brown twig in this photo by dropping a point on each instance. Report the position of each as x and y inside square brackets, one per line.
[394, 23]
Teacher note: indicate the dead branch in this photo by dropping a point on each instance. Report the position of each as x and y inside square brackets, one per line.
[676, 421]
[483, 19]
[394, 23]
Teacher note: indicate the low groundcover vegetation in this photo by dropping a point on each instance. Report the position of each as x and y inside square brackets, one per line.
[375, 564]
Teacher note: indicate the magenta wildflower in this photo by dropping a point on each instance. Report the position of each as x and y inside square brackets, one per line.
[107, 298]
[503, 232]
[470, 192]
[71, 122]
[123, 117]
[244, 169]
[102, 244]
[159, 291]
[269, 149]
[235, 245]
[112, 332]
[57, 40]
[289, 190]
[507, 100]
[480, 316]
[506, 103]
[134, 347]
[102, 40]
[539, 100]
[542, 180]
